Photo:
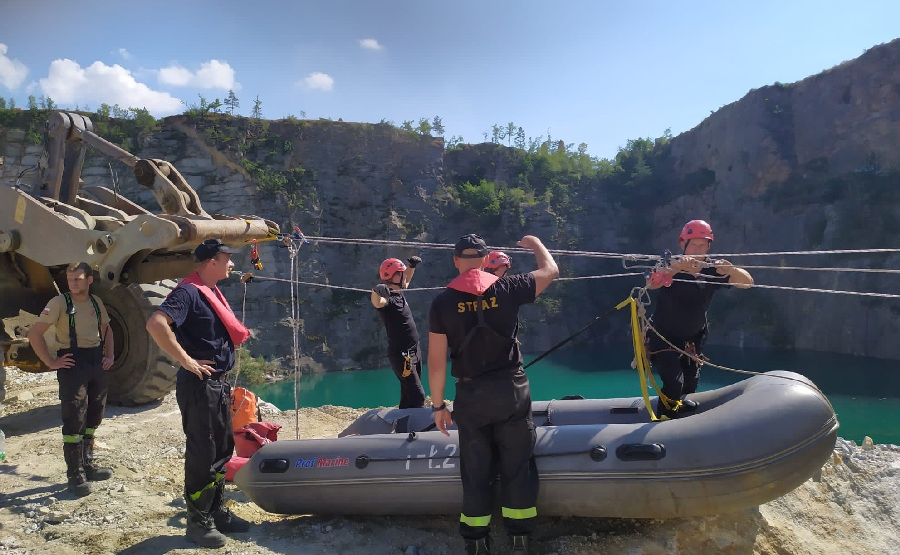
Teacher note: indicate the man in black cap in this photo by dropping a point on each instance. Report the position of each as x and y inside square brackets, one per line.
[205, 334]
[476, 317]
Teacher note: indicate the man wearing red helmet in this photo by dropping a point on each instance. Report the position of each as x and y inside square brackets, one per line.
[498, 263]
[403, 337]
[686, 291]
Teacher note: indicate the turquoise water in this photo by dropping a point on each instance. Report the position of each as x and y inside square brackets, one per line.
[865, 392]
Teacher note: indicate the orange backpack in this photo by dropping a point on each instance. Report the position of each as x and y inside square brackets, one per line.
[244, 408]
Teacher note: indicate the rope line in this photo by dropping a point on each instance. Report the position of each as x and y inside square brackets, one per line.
[807, 289]
[596, 254]
[411, 289]
[645, 322]
[863, 270]
[798, 253]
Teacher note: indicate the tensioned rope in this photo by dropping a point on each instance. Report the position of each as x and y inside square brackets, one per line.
[702, 361]
[807, 289]
[415, 289]
[444, 246]
[359, 290]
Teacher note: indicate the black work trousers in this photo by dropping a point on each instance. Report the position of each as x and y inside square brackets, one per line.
[82, 392]
[407, 365]
[496, 433]
[680, 374]
[206, 419]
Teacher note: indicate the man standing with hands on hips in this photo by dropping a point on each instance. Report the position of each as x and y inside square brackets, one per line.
[86, 340]
[205, 334]
[476, 318]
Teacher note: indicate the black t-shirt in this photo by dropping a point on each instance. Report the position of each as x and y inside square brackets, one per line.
[398, 322]
[199, 331]
[454, 313]
[681, 307]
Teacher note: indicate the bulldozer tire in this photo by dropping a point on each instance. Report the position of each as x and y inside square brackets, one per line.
[142, 372]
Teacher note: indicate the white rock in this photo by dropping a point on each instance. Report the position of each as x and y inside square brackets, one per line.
[868, 444]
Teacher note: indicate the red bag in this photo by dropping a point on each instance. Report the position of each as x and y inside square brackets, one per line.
[254, 435]
[233, 466]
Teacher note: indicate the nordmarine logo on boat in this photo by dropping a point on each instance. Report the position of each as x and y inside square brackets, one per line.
[320, 462]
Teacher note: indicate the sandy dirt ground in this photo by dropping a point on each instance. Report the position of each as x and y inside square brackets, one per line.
[853, 508]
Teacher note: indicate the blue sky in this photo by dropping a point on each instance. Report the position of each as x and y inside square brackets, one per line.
[594, 72]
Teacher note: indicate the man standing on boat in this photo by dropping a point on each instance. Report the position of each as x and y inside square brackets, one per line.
[686, 291]
[403, 337]
[203, 340]
[476, 317]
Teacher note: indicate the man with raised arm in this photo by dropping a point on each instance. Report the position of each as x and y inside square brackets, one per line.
[686, 290]
[476, 318]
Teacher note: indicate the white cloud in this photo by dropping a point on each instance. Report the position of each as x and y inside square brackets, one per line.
[370, 44]
[12, 72]
[67, 83]
[211, 75]
[126, 55]
[176, 76]
[321, 81]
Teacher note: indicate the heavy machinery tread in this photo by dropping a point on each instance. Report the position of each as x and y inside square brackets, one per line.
[153, 376]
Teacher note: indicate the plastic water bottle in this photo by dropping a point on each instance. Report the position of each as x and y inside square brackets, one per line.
[2, 446]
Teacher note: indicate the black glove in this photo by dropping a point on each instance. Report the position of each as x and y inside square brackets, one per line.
[413, 261]
[382, 290]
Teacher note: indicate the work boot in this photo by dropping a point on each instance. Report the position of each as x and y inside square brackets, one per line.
[93, 472]
[665, 413]
[481, 546]
[200, 526]
[520, 545]
[226, 521]
[78, 483]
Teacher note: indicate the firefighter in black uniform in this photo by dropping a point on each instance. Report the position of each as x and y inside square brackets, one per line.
[403, 337]
[82, 330]
[680, 315]
[476, 318]
[203, 340]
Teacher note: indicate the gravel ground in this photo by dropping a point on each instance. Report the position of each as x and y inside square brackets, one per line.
[853, 508]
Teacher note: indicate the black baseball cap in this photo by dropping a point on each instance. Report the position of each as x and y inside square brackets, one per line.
[470, 241]
[209, 248]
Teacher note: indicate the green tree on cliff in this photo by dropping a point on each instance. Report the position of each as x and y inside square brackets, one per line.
[437, 125]
[510, 133]
[256, 113]
[232, 102]
[424, 127]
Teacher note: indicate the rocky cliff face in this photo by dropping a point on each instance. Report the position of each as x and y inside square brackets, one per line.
[806, 166]
[811, 165]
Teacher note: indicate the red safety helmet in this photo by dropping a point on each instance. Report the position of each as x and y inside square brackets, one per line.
[695, 229]
[390, 267]
[497, 259]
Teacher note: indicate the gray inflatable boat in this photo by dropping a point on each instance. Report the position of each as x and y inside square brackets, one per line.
[746, 444]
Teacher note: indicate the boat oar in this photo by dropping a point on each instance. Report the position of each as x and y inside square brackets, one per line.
[571, 337]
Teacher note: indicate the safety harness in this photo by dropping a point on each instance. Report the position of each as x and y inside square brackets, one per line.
[73, 336]
[482, 323]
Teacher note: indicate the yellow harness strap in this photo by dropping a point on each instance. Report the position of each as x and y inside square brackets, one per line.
[642, 363]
